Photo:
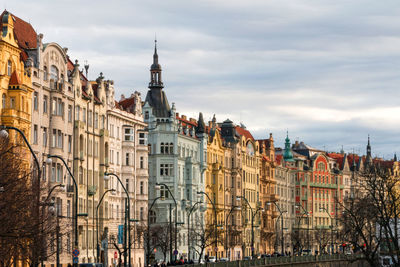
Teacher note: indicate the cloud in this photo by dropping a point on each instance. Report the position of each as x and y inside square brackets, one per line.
[325, 70]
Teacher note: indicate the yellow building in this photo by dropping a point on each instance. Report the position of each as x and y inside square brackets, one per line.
[16, 86]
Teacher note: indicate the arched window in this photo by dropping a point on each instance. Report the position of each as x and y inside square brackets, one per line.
[54, 73]
[3, 101]
[171, 148]
[9, 68]
[62, 78]
[162, 148]
[45, 72]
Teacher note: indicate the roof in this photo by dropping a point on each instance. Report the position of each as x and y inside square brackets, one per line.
[278, 158]
[14, 80]
[23, 32]
[127, 102]
[339, 158]
[244, 132]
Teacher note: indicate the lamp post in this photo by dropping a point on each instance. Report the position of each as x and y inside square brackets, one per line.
[127, 218]
[176, 221]
[191, 209]
[282, 237]
[324, 209]
[148, 231]
[305, 212]
[215, 217]
[97, 222]
[4, 134]
[49, 161]
[226, 226]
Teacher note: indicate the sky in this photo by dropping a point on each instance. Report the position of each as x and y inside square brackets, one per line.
[326, 71]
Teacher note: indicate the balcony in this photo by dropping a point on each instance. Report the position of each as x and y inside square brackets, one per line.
[55, 85]
[92, 190]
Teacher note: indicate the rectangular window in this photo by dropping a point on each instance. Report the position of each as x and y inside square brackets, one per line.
[127, 185]
[54, 138]
[77, 112]
[54, 106]
[127, 159]
[45, 104]
[117, 157]
[142, 139]
[60, 139]
[128, 134]
[141, 213]
[141, 162]
[118, 133]
[35, 101]
[141, 187]
[53, 172]
[59, 173]
[44, 136]
[84, 114]
[69, 113]
[12, 102]
[89, 117]
[96, 120]
[69, 143]
[35, 134]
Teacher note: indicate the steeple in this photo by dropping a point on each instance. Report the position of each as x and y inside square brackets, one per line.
[395, 157]
[287, 154]
[156, 96]
[155, 71]
[369, 156]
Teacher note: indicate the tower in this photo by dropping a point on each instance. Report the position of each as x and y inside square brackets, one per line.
[369, 156]
[287, 154]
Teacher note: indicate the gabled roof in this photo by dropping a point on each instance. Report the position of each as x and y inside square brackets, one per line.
[23, 32]
[243, 132]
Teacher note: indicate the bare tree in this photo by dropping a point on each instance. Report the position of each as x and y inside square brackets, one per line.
[203, 236]
[322, 237]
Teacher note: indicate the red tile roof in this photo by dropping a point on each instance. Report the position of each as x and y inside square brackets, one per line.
[14, 80]
[23, 32]
[127, 102]
[244, 132]
[278, 158]
[338, 157]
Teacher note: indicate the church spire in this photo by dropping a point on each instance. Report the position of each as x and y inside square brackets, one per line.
[369, 156]
[155, 71]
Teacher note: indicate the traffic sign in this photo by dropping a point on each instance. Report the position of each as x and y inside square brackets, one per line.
[115, 255]
[75, 260]
[175, 252]
[75, 252]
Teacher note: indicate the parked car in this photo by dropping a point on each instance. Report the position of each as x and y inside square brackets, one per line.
[212, 259]
[247, 258]
[224, 259]
[265, 256]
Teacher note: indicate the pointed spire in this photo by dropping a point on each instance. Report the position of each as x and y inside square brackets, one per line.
[369, 156]
[155, 56]
[395, 157]
[201, 126]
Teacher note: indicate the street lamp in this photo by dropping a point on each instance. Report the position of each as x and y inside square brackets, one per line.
[170, 225]
[127, 217]
[215, 217]
[324, 209]
[282, 237]
[191, 209]
[148, 228]
[97, 221]
[4, 134]
[305, 212]
[49, 161]
[234, 207]
[253, 214]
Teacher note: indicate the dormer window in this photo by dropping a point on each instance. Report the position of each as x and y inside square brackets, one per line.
[9, 68]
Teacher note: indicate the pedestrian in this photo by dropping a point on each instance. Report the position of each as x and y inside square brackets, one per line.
[163, 264]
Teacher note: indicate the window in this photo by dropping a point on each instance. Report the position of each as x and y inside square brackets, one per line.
[12, 102]
[69, 143]
[60, 107]
[69, 113]
[54, 138]
[35, 134]
[54, 106]
[45, 104]
[117, 157]
[89, 117]
[59, 173]
[127, 185]
[146, 115]
[103, 120]
[53, 172]
[60, 139]
[84, 114]
[128, 134]
[3, 101]
[166, 169]
[45, 72]
[163, 192]
[142, 139]
[44, 136]
[141, 213]
[9, 68]
[77, 111]
[96, 120]
[141, 188]
[54, 73]
[35, 101]
[141, 162]
[127, 159]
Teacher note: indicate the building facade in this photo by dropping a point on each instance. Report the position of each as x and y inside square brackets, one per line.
[177, 161]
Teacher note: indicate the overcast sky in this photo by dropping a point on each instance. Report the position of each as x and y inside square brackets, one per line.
[326, 71]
